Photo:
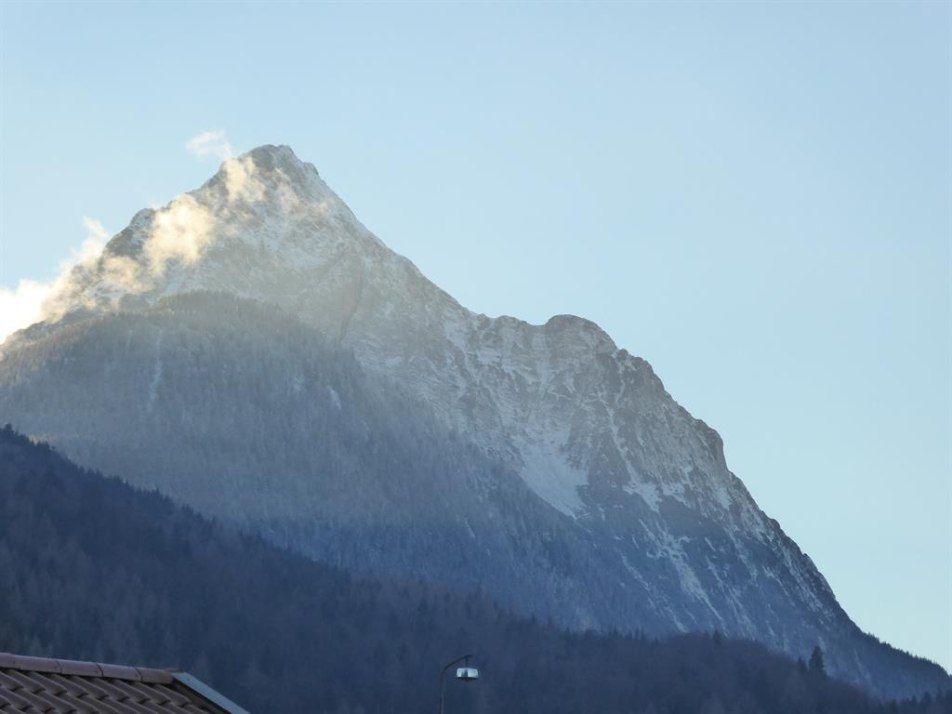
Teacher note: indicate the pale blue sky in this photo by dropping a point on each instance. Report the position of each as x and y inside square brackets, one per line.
[755, 197]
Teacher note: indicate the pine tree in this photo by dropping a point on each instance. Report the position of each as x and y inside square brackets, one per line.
[816, 662]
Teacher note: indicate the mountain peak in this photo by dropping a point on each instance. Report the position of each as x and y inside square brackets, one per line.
[273, 161]
[281, 152]
[261, 174]
[265, 212]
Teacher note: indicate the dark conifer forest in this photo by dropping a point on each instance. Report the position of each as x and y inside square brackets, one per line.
[92, 569]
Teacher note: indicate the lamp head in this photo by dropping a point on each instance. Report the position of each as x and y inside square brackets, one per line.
[467, 674]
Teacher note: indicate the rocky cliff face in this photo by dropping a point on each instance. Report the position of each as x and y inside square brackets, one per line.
[253, 350]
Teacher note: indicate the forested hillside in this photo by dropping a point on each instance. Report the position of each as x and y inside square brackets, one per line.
[93, 569]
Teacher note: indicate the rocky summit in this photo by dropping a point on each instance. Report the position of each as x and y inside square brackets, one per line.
[252, 350]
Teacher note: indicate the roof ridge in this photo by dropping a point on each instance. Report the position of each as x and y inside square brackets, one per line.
[85, 669]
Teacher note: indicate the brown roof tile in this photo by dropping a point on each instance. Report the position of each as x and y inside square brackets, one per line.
[35, 685]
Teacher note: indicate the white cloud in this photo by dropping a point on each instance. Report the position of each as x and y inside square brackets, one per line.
[241, 181]
[94, 229]
[210, 143]
[91, 248]
[179, 232]
[29, 302]
[22, 307]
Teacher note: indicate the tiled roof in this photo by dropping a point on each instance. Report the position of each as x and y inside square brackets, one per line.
[37, 684]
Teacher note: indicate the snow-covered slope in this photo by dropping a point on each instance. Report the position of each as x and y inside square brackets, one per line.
[583, 491]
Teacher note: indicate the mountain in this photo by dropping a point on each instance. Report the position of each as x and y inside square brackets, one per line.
[252, 350]
[93, 569]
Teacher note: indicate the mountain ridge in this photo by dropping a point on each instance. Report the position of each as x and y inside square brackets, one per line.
[586, 427]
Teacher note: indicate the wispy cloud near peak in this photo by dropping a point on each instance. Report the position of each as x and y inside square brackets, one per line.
[210, 143]
[28, 302]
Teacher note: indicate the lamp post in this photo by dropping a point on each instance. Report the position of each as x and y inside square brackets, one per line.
[465, 673]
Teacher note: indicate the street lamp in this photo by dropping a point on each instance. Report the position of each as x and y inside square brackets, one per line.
[464, 673]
